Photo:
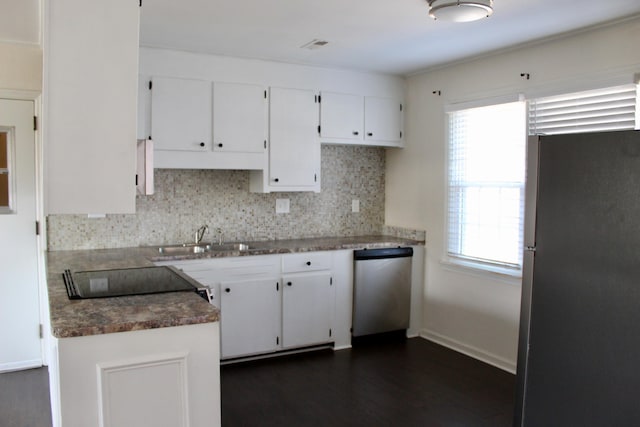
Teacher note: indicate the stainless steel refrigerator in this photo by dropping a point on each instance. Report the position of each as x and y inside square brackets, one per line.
[579, 346]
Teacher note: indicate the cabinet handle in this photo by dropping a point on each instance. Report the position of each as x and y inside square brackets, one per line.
[308, 262]
[275, 180]
[202, 144]
[220, 145]
[289, 283]
[369, 133]
[227, 290]
[355, 132]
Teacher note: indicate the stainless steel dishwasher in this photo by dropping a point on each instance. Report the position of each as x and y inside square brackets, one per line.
[381, 290]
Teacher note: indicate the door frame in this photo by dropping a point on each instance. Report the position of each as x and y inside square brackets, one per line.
[41, 238]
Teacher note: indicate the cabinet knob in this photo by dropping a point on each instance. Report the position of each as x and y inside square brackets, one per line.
[308, 262]
[202, 144]
[220, 145]
[355, 132]
[369, 133]
[289, 283]
[227, 290]
[276, 180]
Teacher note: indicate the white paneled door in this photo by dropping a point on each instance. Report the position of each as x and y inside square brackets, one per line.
[19, 301]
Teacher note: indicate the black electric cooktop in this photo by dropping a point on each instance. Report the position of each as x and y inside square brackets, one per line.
[126, 281]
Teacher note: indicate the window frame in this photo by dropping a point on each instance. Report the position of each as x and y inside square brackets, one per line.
[10, 170]
[510, 273]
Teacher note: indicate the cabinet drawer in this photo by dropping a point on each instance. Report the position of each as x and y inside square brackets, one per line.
[308, 261]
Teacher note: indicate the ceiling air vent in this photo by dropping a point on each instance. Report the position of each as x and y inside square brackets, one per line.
[314, 44]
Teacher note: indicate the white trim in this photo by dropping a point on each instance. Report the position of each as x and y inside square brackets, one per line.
[484, 271]
[471, 351]
[483, 102]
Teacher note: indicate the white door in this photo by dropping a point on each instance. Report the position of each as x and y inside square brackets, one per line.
[306, 309]
[239, 118]
[250, 317]
[19, 303]
[294, 159]
[181, 114]
[341, 116]
[382, 119]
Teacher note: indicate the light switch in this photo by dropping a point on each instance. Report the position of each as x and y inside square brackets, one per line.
[282, 205]
[355, 205]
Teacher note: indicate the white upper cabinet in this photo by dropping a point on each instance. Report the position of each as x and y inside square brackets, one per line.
[181, 114]
[360, 120]
[90, 92]
[199, 124]
[341, 116]
[382, 120]
[239, 118]
[294, 147]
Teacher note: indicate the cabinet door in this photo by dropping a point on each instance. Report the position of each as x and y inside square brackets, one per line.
[181, 114]
[382, 119]
[250, 317]
[341, 116]
[239, 118]
[306, 309]
[294, 156]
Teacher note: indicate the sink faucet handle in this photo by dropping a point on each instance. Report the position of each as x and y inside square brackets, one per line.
[201, 232]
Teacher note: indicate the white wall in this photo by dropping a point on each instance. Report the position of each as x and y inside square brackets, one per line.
[21, 67]
[171, 63]
[479, 315]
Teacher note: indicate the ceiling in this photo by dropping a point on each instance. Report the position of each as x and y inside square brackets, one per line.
[388, 36]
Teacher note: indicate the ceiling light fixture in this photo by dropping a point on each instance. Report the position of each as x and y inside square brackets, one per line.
[460, 10]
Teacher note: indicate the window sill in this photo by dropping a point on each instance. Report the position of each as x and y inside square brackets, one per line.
[501, 274]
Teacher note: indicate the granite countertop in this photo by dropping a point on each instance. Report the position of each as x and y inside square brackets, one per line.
[73, 318]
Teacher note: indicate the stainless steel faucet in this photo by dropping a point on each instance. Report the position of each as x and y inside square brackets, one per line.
[201, 232]
[219, 231]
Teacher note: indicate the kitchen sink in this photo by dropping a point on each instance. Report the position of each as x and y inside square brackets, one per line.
[184, 249]
[192, 248]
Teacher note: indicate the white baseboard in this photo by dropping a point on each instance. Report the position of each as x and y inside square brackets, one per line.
[471, 351]
[18, 366]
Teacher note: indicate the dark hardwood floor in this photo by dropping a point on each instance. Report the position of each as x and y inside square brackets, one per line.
[24, 399]
[390, 382]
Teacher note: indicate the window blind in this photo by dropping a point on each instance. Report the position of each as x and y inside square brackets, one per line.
[486, 185]
[597, 110]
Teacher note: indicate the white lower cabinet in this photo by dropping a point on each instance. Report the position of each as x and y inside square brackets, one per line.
[250, 323]
[160, 377]
[269, 302]
[307, 308]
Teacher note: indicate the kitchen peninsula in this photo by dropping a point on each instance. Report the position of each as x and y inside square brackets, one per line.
[132, 360]
[154, 359]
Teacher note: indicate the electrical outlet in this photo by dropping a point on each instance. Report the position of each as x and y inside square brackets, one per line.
[282, 205]
[355, 205]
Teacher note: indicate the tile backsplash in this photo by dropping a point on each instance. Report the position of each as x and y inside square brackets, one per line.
[187, 199]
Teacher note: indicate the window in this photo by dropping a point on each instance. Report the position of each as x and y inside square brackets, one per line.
[6, 184]
[608, 109]
[487, 150]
